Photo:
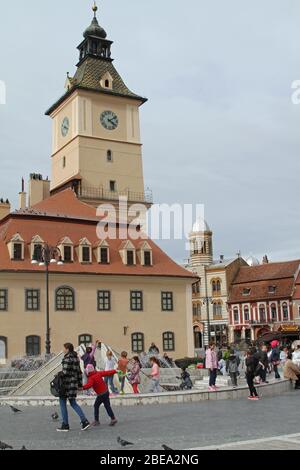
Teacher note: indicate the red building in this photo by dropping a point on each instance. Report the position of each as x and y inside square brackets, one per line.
[261, 301]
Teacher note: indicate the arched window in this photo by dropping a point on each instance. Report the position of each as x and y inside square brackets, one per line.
[168, 341]
[285, 311]
[262, 313]
[217, 309]
[199, 309]
[246, 313]
[85, 339]
[218, 285]
[214, 286]
[107, 85]
[273, 312]
[3, 349]
[65, 298]
[236, 315]
[33, 345]
[137, 343]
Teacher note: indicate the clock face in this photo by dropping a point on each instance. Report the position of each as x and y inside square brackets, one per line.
[109, 120]
[65, 126]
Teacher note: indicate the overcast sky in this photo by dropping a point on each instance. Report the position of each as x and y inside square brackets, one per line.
[219, 128]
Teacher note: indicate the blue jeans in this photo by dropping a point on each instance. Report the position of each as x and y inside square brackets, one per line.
[106, 402]
[76, 408]
[110, 382]
[155, 388]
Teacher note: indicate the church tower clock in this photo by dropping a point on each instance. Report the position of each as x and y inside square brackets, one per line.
[97, 146]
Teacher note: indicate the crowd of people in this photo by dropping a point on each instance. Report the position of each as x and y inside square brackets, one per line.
[257, 363]
[101, 382]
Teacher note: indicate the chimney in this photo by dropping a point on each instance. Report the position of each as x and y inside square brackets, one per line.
[22, 196]
[39, 189]
[265, 260]
[4, 208]
[221, 258]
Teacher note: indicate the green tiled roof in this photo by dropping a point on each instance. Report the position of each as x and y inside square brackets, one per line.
[88, 76]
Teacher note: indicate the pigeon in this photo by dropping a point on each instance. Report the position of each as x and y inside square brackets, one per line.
[54, 416]
[4, 446]
[167, 448]
[124, 443]
[15, 410]
[24, 448]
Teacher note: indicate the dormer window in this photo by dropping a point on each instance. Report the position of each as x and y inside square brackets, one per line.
[128, 253]
[16, 247]
[145, 254]
[147, 258]
[107, 81]
[130, 258]
[272, 289]
[246, 291]
[67, 254]
[103, 252]
[17, 251]
[36, 248]
[85, 251]
[67, 250]
[104, 255]
[86, 254]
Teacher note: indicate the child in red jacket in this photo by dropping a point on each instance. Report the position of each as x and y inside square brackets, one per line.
[95, 381]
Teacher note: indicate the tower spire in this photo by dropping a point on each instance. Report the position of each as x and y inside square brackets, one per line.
[95, 9]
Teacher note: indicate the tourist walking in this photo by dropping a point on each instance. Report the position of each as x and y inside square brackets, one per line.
[122, 370]
[72, 382]
[263, 363]
[110, 364]
[251, 364]
[275, 357]
[232, 367]
[155, 375]
[291, 371]
[283, 355]
[134, 376]
[211, 363]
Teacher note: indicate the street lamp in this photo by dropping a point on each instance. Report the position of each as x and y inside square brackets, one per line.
[47, 255]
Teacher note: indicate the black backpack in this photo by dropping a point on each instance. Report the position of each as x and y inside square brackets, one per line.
[57, 387]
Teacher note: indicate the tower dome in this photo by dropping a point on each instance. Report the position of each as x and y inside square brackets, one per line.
[95, 29]
[201, 226]
[252, 261]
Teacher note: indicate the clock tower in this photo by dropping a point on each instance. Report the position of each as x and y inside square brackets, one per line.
[96, 146]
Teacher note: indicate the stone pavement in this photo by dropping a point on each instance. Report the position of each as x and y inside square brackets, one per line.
[284, 442]
[220, 424]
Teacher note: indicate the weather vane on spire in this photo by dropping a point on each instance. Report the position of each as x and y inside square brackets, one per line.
[95, 8]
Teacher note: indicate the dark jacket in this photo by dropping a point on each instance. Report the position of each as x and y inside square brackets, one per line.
[275, 355]
[262, 357]
[251, 365]
[72, 375]
[232, 364]
[186, 383]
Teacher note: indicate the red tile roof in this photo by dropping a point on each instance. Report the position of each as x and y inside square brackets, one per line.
[63, 215]
[260, 278]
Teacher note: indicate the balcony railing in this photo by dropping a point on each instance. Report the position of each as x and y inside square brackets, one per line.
[100, 193]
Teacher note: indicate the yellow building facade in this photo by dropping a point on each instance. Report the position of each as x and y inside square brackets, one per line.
[125, 292]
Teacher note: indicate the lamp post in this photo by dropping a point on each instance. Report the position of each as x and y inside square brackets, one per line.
[46, 256]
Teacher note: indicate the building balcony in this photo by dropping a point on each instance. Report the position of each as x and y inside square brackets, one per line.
[91, 193]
